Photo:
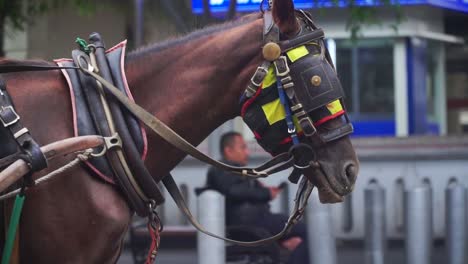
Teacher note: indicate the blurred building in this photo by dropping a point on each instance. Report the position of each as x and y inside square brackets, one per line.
[401, 77]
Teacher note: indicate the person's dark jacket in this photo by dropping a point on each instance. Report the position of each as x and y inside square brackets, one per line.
[245, 197]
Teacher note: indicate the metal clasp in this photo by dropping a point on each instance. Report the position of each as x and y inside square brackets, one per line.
[258, 76]
[87, 66]
[281, 66]
[7, 123]
[113, 142]
[292, 130]
[109, 143]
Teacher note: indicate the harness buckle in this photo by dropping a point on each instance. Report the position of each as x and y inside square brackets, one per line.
[113, 142]
[258, 76]
[109, 143]
[281, 66]
[8, 116]
[250, 90]
[307, 126]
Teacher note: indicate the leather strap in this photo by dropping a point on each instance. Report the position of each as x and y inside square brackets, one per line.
[276, 164]
[268, 24]
[10, 120]
[303, 192]
[137, 166]
[104, 123]
[301, 40]
[9, 159]
[8, 68]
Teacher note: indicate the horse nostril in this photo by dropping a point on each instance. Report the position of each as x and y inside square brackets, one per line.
[351, 172]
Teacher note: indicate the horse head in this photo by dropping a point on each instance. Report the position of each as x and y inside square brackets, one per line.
[316, 127]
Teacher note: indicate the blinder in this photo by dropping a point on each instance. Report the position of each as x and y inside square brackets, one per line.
[315, 82]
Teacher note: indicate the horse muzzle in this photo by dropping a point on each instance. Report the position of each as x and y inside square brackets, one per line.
[333, 182]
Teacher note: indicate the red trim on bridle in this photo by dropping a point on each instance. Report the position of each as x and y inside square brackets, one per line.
[328, 118]
[317, 124]
[257, 135]
[250, 101]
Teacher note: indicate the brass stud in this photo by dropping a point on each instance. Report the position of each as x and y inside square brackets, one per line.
[271, 51]
[316, 80]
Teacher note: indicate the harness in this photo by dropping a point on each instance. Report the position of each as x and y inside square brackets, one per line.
[97, 113]
[304, 85]
[15, 139]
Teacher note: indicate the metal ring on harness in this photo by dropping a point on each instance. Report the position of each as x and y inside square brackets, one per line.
[303, 154]
[109, 143]
[88, 67]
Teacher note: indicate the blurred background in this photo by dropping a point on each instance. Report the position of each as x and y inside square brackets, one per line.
[403, 65]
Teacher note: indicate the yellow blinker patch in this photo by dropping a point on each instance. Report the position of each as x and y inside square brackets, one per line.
[270, 78]
[297, 53]
[334, 107]
[274, 111]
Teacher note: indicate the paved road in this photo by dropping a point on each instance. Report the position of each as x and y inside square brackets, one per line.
[167, 256]
[347, 254]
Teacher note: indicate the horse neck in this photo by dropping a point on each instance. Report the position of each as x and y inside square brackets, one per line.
[194, 87]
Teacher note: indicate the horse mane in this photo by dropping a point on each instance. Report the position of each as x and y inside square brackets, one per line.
[178, 40]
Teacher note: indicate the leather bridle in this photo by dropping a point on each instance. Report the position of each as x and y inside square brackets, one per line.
[300, 156]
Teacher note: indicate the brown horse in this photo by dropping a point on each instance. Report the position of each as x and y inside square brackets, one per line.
[193, 84]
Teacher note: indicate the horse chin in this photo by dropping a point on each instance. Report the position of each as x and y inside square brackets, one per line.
[327, 193]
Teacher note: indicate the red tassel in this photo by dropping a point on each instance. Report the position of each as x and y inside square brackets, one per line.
[155, 239]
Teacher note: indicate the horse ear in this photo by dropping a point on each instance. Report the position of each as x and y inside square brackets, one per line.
[284, 16]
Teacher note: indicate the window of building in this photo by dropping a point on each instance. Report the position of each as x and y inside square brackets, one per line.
[365, 68]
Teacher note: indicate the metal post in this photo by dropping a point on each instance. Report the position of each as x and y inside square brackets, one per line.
[348, 213]
[418, 225]
[455, 223]
[211, 216]
[399, 201]
[375, 235]
[322, 244]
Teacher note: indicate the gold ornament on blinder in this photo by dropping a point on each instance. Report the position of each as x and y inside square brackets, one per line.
[316, 80]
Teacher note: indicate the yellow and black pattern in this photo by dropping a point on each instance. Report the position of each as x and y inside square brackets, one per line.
[266, 116]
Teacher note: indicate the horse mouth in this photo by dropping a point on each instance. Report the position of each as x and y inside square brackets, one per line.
[330, 189]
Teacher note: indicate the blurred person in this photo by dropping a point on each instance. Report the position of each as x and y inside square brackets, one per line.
[247, 199]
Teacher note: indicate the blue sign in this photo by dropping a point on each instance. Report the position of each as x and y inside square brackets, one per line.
[222, 6]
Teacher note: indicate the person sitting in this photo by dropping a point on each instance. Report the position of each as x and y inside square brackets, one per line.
[247, 199]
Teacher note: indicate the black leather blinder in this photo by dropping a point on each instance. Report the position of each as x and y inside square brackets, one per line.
[315, 82]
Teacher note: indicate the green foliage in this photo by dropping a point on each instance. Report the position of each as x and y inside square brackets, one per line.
[365, 15]
[20, 12]
[360, 16]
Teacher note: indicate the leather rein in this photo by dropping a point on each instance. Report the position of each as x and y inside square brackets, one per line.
[300, 156]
